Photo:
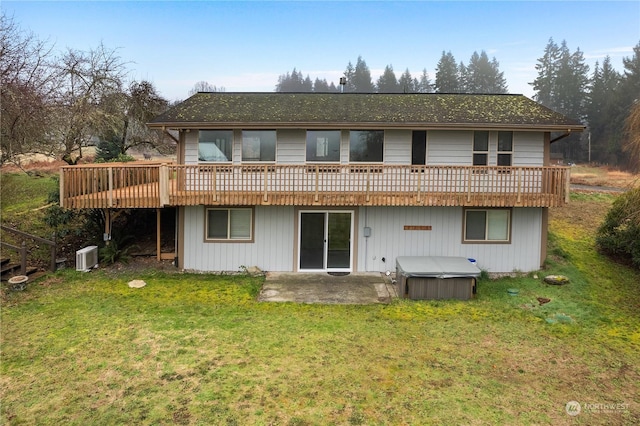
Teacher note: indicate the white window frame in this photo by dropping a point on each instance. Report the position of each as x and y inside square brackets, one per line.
[487, 231]
[321, 143]
[214, 143]
[246, 135]
[352, 160]
[229, 211]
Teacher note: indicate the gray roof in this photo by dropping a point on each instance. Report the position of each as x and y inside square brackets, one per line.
[306, 110]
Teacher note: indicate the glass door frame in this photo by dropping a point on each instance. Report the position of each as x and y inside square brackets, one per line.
[326, 213]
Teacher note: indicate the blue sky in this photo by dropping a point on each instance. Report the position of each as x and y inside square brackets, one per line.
[245, 46]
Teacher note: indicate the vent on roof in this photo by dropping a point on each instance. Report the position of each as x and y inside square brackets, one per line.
[86, 258]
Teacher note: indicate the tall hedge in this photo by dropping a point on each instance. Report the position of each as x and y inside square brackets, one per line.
[619, 234]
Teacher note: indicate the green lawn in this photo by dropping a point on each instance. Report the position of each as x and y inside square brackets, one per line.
[84, 348]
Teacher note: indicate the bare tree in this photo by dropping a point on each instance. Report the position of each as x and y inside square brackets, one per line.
[90, 98]
[27, 84]
[631, 144]
[205, 86]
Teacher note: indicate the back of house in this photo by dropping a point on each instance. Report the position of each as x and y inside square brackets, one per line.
[346, 182]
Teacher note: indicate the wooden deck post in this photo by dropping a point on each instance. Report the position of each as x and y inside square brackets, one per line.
[62, 192]
[519, 200]
[158, 227]
[266, 176]
[163, 182]
[110, 173]
[23, 258]
[567, 188]
[315, 198]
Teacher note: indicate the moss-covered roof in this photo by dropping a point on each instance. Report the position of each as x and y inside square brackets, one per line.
[360, 109]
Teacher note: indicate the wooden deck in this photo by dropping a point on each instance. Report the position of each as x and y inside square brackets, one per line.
[132, 185]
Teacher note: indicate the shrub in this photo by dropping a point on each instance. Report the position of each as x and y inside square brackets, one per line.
[619, 234]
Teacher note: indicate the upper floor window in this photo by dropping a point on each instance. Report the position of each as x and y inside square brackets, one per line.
[480, 148]
[323, 145]
[366, 146]
[215, 145]
[505, 148]
[258, 145]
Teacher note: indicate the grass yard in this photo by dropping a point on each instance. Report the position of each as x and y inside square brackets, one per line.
[84, 348]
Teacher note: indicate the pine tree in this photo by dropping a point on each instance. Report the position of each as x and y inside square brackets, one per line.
[424, 84]
[388, 83]
[447, 74]
[483, 76]
[629, 102]
[362, 77]
[406, 83]
[543, 85]
[349, 74]
[294, 82]
[602, 112]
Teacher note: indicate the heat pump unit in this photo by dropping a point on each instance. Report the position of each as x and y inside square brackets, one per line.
[86, 258]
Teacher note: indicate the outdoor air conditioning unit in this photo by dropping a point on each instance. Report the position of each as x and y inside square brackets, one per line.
[86, 258]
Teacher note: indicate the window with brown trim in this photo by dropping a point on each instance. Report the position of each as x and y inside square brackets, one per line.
[487, 225]
[229, 224]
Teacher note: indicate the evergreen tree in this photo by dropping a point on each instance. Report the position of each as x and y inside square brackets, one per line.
[447, 74]
[294, 82]
[629, 101]
[463, 76]
[424, 84]
[320, 86]
[602, 112]
[562, 86]
[362, 77]
[388, 83]
[543, 85]
[349, 75]
[406, 83]
[483, 76]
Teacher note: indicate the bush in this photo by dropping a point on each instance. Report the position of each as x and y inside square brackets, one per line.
[619, 234]
[109, 151]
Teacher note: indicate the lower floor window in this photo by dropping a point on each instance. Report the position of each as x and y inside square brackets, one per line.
[487, 225]
[232, 224]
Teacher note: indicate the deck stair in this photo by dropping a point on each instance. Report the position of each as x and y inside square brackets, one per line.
[8, 269]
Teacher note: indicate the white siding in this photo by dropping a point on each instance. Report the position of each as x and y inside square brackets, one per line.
[389, 239]
[291, 146]
[191, 147]
[397, 147]
[273, 246]
[528, 148]
[444, 147]
[449, 147]
[272, 249]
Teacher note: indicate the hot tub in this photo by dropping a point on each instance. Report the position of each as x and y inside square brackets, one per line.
[435, 277]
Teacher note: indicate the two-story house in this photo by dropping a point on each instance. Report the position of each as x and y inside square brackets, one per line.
[346, 182]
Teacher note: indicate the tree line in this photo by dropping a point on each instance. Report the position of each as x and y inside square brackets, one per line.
[480, 76]
[58, 104]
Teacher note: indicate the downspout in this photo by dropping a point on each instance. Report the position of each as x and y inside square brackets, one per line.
[562, 136]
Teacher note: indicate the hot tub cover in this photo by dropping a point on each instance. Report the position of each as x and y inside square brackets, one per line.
[436, 267]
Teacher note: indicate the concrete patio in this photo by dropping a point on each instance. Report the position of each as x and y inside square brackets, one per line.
[351, 289]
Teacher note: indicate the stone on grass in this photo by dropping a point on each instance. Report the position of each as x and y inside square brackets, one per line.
[137, 284]
[556, 279]
[254, 271]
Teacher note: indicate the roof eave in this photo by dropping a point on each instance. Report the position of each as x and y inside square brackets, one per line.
[365, 125]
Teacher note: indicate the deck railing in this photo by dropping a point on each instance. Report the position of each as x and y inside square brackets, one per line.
[157, 185]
